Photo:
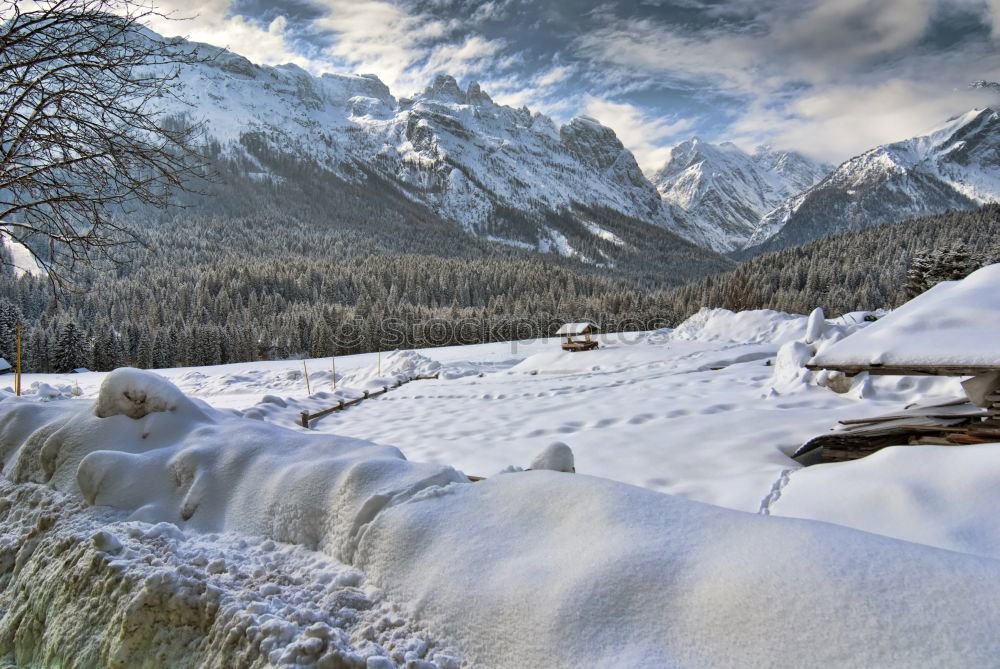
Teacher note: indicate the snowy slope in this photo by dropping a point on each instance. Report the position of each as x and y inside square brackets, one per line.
[725, 192]
[954, 166]
[456, 151]
[953, 323]
[232, 539]
[21, 260]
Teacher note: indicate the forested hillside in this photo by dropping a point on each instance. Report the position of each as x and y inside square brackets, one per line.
[278, 257]
[853, 271]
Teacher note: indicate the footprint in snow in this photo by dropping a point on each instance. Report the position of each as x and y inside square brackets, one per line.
[717, 408]
[570, 427]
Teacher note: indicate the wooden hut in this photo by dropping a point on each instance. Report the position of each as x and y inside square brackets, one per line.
[577, 336]
[953, 329]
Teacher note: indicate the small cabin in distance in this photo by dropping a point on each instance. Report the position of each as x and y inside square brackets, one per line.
[577, 336]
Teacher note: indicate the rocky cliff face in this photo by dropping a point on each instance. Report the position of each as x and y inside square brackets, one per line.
[456, 151]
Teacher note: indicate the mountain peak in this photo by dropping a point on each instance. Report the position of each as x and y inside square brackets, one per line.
[445, 88]
[724, 191]
[955, 165]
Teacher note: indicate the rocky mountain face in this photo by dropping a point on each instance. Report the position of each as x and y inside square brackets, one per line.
[498, 172]
[724, 192]
[954, 166]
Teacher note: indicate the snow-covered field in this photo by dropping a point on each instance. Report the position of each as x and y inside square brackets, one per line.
[266, 529]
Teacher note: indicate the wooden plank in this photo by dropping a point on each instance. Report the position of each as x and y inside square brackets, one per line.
[909, 423]
[963, 412]
[968, 439]
[909, 370]
[931, 441]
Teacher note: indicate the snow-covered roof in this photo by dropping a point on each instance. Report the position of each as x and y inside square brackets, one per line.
[4, 364]
[955, 324]
[577, 328]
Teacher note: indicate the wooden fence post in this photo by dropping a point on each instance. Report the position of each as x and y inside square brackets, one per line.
[306, 370]
[17, 376]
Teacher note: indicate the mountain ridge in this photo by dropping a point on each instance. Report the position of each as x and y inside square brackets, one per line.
[953, 166]
[453, 150]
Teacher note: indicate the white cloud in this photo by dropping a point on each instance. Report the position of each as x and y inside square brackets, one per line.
[541, 92]
[993, 15]
[647, 137]
[823, 40]
[405, 50]
[209, 21]
[841, 121]
[828, 78]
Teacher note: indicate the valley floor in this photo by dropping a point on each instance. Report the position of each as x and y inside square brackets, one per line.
[687, 416]
[701, 412]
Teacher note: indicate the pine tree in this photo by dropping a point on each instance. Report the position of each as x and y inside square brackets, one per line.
[953, 263]
[70, 349]
[37, 353]
[10, 317]
[918, 277]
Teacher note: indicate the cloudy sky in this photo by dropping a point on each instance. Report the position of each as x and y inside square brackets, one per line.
[829, 78]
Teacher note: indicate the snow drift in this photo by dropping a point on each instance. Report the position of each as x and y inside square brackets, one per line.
[746, 327]
[953, 323]
[538, 568]
[189, 464]
[939, 496]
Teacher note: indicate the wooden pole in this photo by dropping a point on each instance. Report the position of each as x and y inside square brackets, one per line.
[380, 362]
[333, 366]
[306, 370]
[17, 378]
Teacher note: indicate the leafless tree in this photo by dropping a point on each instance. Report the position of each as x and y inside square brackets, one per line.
[84, 135]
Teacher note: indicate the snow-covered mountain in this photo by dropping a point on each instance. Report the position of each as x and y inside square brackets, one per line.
[954, 166]
[724, 192]
[483, 165]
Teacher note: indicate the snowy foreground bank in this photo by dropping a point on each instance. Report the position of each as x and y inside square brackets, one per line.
[143, 526]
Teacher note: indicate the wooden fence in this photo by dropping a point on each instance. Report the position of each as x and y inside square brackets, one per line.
[305, 417]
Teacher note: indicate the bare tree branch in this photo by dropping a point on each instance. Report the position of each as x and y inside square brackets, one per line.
[84, 135]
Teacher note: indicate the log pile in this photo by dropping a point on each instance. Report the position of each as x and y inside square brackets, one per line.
[955, 423]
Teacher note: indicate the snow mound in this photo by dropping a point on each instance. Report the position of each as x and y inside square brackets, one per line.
[395, 366]
[936, 495]
[762, 326]
[45, 392]
[135, 393]
[154, 597]
[206, 470]
[570, 567]
[557, 457]
[790, 374]
[561, 567]
[953, 323]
